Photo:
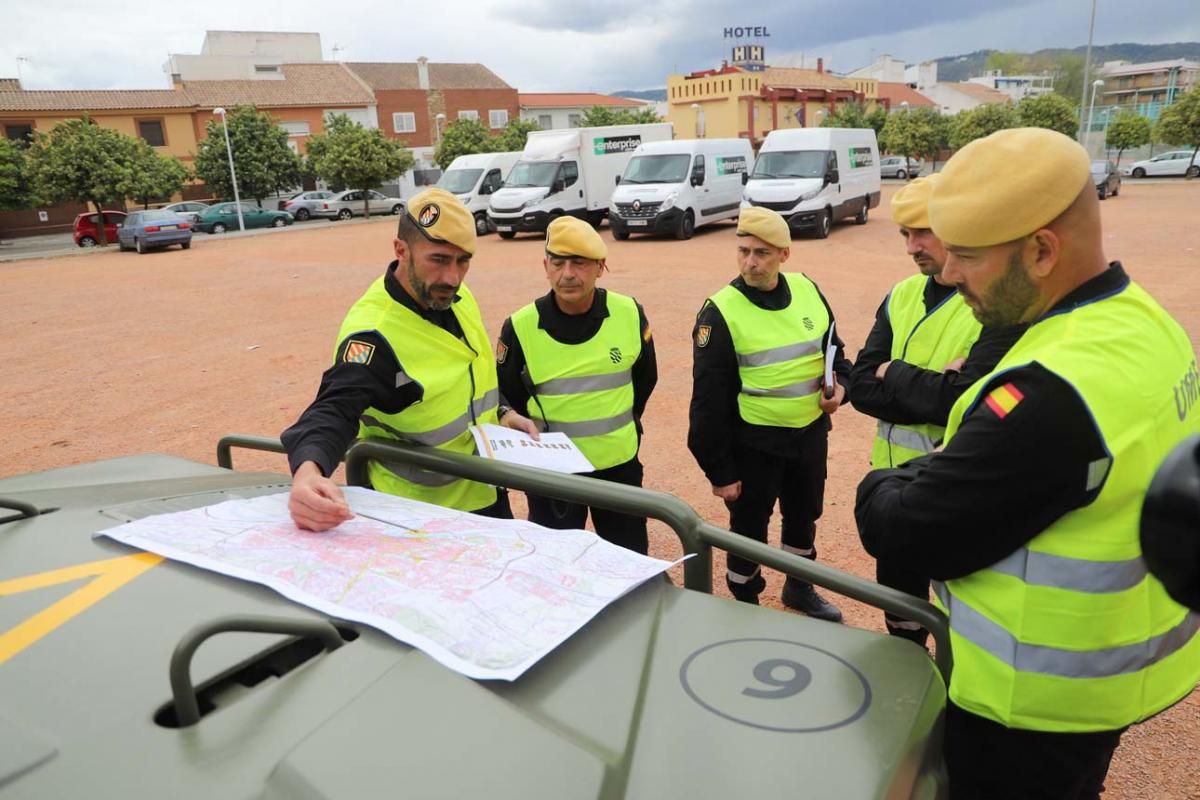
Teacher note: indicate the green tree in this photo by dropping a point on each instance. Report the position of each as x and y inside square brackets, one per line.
[150, 176]
[348, 154]
[1128, 129]
[1179, 124]
[1067, 70]
[1049, 110]
[263, 161]
[913, 134]
[599, 116]
[643, 116]
[81, 162]
[967, 126]
[14, 184]
[461, 138]
[1007, 61]
[855, 115]
[513, 137]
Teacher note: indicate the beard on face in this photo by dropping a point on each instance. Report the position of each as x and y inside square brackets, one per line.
[1006, 301]
[425, 291]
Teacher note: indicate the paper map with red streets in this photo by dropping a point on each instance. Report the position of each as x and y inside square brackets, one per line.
[485, 597]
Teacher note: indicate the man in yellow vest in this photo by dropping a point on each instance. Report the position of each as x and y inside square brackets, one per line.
[580, 360]
[924, 351]
[759, 418]
[413, 364]
[1027, 520]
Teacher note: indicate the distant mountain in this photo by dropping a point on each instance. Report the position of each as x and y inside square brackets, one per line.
[970, 65]
[645, 94]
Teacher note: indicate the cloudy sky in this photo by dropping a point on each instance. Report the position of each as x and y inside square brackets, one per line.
[559, 45]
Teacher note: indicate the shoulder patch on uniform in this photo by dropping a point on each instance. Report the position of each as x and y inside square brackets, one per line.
[357, 352]
[703, 334]
[501, 352]
[1003, 399]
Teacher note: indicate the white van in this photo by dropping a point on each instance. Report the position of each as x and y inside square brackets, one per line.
[675, 187]
[567, 172]
[815, 177]
[475, 178]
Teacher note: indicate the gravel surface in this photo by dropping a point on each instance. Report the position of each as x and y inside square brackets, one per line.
[115, 353]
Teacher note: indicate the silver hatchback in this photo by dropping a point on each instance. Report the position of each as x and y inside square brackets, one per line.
[301, 205]
[898, 167]
[349, 203]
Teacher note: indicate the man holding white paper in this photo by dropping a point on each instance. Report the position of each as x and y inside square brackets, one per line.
[759, 421]
[580, 361]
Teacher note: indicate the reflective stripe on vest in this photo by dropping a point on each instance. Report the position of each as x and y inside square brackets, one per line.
[780, 356]
[929, 340]
[585, 390]
[1070, 633]
[458, 382]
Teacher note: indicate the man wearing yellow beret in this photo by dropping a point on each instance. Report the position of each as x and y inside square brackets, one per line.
[923, 352]
[412, 364]
[1028, 519]
[759, 419]
[580, 360]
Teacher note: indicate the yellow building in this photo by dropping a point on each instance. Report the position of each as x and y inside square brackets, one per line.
[734, 103]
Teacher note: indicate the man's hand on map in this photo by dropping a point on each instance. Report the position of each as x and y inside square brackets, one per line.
[516, 422]
[316, 503]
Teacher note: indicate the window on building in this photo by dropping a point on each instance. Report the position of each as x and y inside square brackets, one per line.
[469, 114]
[19, 132]
[151, 131]
[269, 68]
[404, 122]
[574, 120]
[545, 122]
[497, 118]
[295, 128]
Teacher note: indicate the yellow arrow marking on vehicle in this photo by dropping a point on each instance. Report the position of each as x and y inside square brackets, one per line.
[107, 576]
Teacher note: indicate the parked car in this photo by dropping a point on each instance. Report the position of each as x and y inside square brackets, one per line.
[190, 209]
[223, 217]
[144, 230]
[301, 204]
[349, 203]
[1175, 162]
[898, 167]
[1107, 178]
[86, 234]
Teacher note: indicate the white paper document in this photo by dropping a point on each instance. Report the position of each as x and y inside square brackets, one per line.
[553, 451]
[485, 597]
[830, 355]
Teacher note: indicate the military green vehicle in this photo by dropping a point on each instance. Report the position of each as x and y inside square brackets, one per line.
[124, 675]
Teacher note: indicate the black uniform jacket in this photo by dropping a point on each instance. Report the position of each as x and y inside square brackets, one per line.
[909, 394]
[515, 385]
[329, 425]
[1003, 478]
[715, 426]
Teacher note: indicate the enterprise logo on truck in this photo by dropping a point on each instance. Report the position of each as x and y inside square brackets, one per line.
[730, 165]
[860, 157]
[603, 146]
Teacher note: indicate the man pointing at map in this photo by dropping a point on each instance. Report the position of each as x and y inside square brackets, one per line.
[413, 363]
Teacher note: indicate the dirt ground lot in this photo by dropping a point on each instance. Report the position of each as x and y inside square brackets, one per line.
[117, 354]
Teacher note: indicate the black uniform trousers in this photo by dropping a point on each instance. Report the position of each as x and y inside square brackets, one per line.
[888, 573]
[988, 761]
[798, 483]
[619, 529]
[499, 509]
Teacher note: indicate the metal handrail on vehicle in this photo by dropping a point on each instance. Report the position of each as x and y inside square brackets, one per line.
[696, 536]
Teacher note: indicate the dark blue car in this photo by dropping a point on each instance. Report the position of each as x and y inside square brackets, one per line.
[144, 230]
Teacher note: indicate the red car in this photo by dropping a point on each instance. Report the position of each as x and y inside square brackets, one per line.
[88, 235]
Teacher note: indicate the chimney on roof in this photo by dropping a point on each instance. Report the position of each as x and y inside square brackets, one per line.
[820, 65]
[423, 73]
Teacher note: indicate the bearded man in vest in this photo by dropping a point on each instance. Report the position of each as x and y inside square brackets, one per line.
[1027, 520]
[580, 360]
[413, 364]
[925, 349]
[759, 417]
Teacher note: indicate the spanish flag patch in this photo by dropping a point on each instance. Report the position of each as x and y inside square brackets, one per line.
[1004, 399]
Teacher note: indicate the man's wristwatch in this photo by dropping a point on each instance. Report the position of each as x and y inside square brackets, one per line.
[501, 411]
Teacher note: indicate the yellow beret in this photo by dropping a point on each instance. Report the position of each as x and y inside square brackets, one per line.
[1007, 185]
[571, 236]
[766, 224]
[443, 218]
[910, 205]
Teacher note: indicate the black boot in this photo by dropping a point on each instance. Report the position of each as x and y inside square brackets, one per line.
[801, 596]
[906, 630]
[749, 591]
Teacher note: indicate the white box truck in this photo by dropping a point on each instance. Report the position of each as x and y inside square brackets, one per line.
[475, 178]
[567, 172]
[675, 187]
[815, 177]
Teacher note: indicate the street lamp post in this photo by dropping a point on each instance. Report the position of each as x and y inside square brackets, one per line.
[237, 201]
[1087, 134]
